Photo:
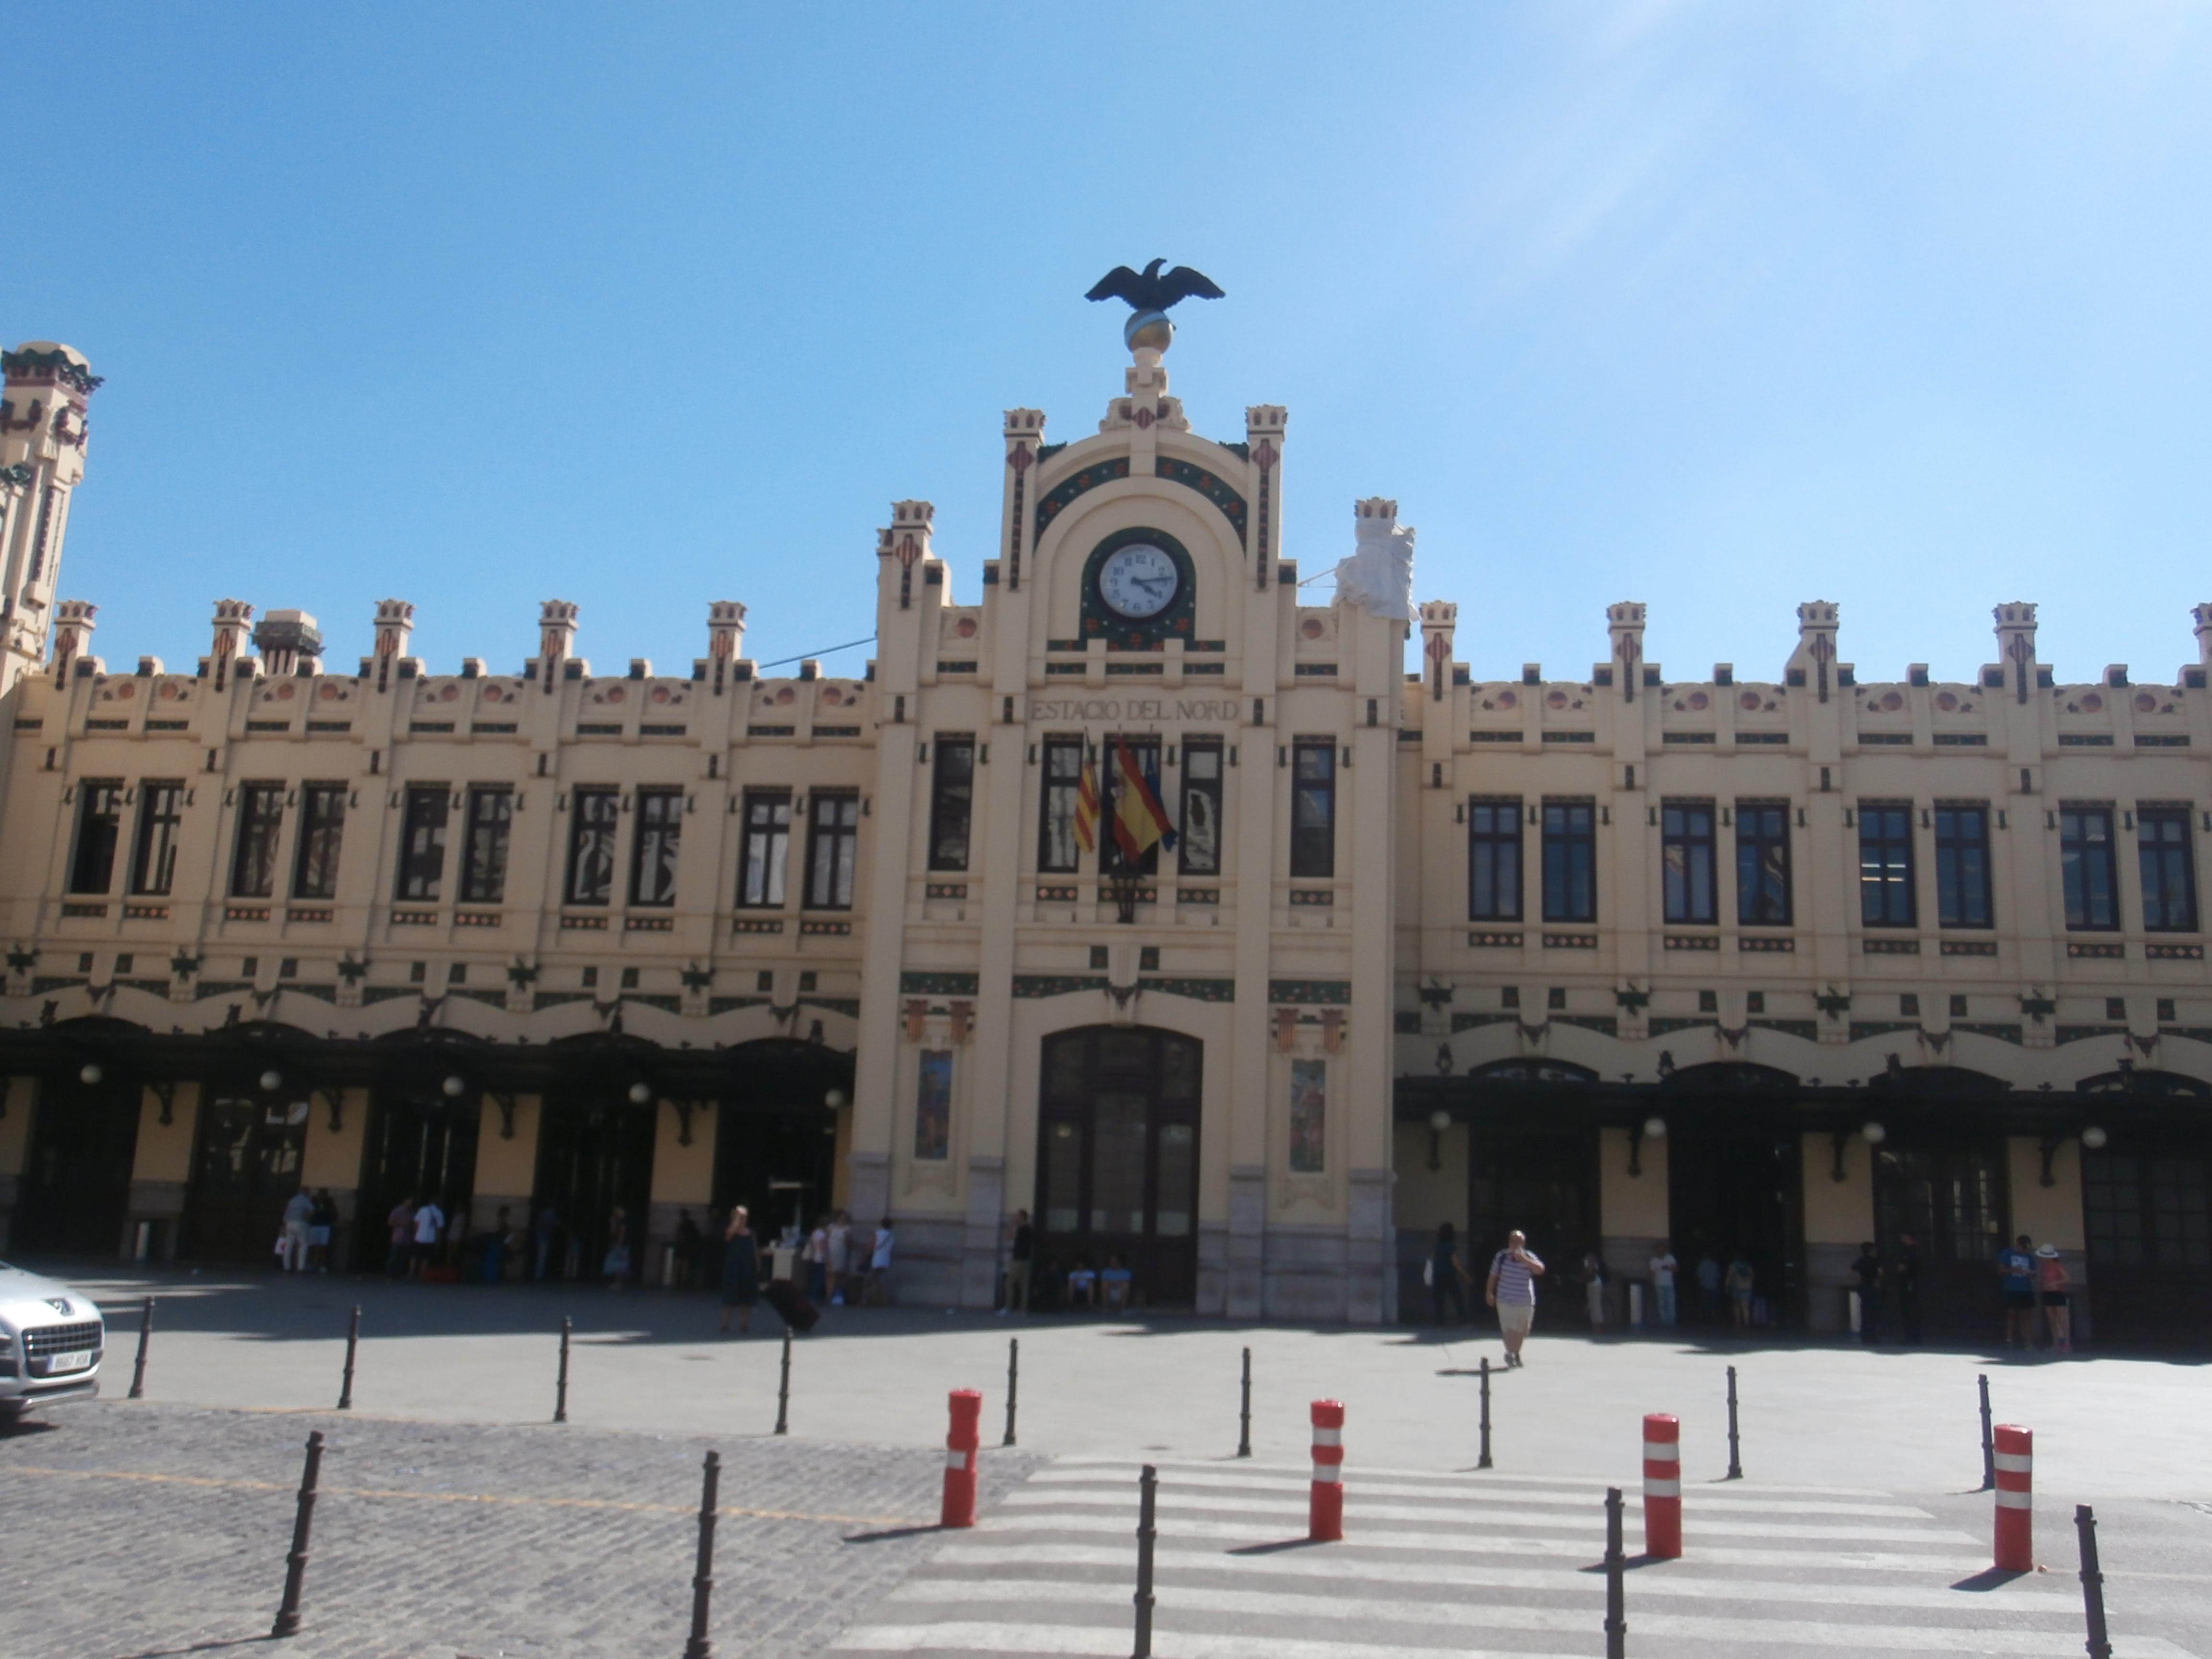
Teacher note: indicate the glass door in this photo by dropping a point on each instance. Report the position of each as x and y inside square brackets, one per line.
[246, 1170]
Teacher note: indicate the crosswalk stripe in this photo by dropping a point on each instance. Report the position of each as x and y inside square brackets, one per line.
[1240, 1465]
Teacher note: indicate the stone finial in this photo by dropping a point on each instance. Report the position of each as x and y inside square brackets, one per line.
[556, 633]
[1624, 627]
[2015, 631]
[1378, 577]
[1815, 656]
[233, 620]
[73, 627]
[1025, 423]
[725, 630]
[2203, 614]
[395, 623]
[286, 638]
[1439, 618]
[1265, 418]
[906, 539]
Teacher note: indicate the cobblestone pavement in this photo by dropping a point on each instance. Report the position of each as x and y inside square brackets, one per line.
[129, 1530]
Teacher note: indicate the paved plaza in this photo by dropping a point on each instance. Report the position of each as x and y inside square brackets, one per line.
[460, 1522]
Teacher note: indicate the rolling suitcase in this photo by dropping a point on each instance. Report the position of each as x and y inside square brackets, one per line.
[793, 1308]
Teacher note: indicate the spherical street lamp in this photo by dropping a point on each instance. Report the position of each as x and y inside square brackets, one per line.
[272, 1081]
[90, 1073]
[834, 1099]
[1655, 1128]
[454, 1087]
[639, 1093]
[1874, 1134]
[2094, 1138]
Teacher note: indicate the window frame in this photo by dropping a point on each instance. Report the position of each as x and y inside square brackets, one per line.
[1895, 877]
[1313, 845]
[658, 840]
[2162, 862]
[486, 842]
[99, 836]
[1485, 886]
[153, 794]
[1692, 828]
[427, 808]
[1568, 829]
[776, 863]
[590, 837]
[2078, 854]
[1210, 790]
[1058, 802]
[1752, 871]
[1951, 884]
[836, 841]
[951, 800]
[316, 826]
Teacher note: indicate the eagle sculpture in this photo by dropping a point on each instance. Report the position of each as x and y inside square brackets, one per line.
[1148, 290]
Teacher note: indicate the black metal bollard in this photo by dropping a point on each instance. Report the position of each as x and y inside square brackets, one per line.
[1148, 1486]
[560, 1383]
[303, 1520]
[783, 1388]
[1244, 1412]
[2100, 1644]
[1989, 1440]
[699, 1646]
[1013, 1382]
[1735, 1446]
[1482, 1462]
[353, 1341]
[145, 1336]
[1616, 1567]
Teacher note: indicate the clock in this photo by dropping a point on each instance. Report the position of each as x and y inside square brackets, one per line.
[1138, 581]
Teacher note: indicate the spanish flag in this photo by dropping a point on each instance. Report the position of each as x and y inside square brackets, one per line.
[1140, 820]
[1086, 808]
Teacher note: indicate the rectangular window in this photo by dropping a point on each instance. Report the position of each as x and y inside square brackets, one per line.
[1962, 866]
[1493, 855]
[932, 1107]
[1885, 865]
[1057, 849]
[2147, 1211]
[99, 827]
[2169, 874]
[1146, 753]
[1313, 807]
[833, 851]
[160, 821]
[484, 855]
[1198, 849]
[322, 826]
[2086, 868]
[766, 849]
[1686, 860]
[261, 816]
[952, 802]
[422, 844]
[592, 816]
[1762, 864]
[660, 837]
[1570, 861]
[1309, 1116]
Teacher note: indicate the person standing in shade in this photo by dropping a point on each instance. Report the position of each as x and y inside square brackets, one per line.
[1905, 1273]
[1448, 1276]
[740, 1271]
[1512, 1290]
[841, 1256]
[2016, 1284]
[1741, 1281]
[402, 1223]
[687, 1248]
[545, 1233]
[2053, 1289]
[616, 1267]
[1867, 1270]
[429, 1228]
[1020, 1254]
[817, 1262]
[1663, 1268]
[1594, 1288]
[292, 1242]
[320, 1220]
[1708, 1288]
[879, 1264]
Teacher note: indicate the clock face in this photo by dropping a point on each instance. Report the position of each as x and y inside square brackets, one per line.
[1138, 581]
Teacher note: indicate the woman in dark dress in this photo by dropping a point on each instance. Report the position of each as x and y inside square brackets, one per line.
[740, 1272]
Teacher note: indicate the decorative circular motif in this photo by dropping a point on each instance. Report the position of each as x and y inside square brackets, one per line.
[2146, 703]
[965, 628]
[1138, 581]
[1747, 700]
[2091, 703]
[1312, 627]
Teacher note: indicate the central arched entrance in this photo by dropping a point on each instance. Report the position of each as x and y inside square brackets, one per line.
[1117, 1159]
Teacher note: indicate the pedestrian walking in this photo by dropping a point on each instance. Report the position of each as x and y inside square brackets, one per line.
[1020, 1254]
[740, 1271]
[1868, 1269]
[1448, 1276]
[841, 1256]
[292, 1241]
[2053, 1289]
[1663, 1267]
[545, 1233]
[321, 1219]
[401, 1221]
[429, 1228]
[879, 1264]
[1594, 1288]
[1905, 1273]
[2016, 1285]
[1743, 1280]
[616, 1267]
[1512, 1290]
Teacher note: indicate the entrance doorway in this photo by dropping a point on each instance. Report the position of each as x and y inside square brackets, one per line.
[76, 1187]
[1951, 1199]
[419, 1144]
[1117, 1160]
[595, 1152]
[1546, 1185]
[2147, 1205]
[776, 1142]
[1736, 1192]
[245, 1170]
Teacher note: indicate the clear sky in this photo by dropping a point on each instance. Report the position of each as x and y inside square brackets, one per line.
[1718, 305]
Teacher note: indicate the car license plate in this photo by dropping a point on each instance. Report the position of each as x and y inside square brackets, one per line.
[77, 1359]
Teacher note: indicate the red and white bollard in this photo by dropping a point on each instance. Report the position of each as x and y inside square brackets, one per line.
[1325, 1514]
[960, 1446]
[1662, 1487]
[2016, 1495]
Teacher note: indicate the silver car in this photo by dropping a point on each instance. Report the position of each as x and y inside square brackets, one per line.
[52, 1338]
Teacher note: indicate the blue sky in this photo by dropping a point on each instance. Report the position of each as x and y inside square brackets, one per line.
[1717, 306]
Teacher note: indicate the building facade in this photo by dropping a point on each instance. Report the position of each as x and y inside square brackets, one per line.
[1768, 967]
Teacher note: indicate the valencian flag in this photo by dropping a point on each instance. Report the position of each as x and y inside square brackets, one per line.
[1086, 808]
[1140, 820]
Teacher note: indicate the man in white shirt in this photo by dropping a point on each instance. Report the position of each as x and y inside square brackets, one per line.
[429, 1227]
[292, 1247]
[879, 1263]
[1663, 1267]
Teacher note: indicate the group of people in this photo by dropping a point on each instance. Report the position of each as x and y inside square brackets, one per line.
[1735, 1288]
[834, 1266]
[1112, 1287]
[303, 1244]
